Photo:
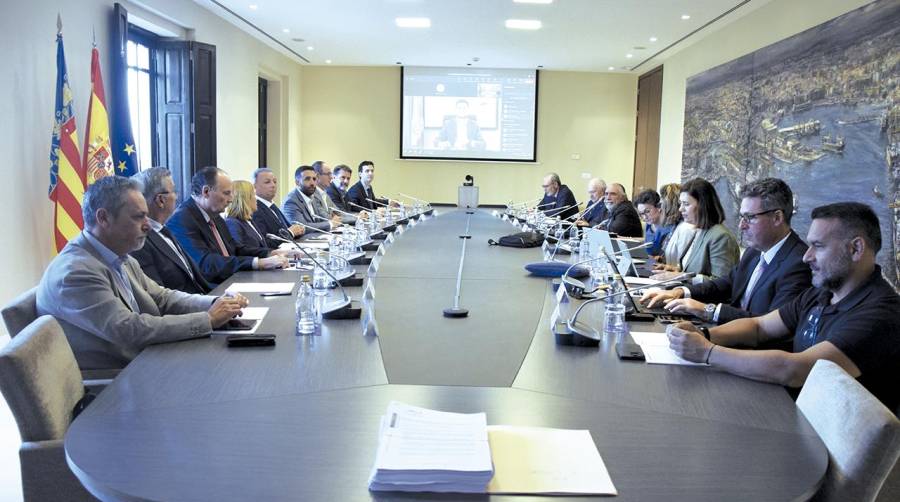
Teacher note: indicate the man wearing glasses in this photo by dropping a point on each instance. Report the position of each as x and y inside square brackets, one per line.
[849, 317]
[558, 198]
[770, 274]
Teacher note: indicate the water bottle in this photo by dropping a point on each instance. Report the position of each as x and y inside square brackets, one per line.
[584, 249]
[320, 282]
[560, 234]
[614, 316]
[306, 308]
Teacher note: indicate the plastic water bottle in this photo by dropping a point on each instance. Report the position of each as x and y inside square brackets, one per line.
[614, 316]
[306, 308]
[321, 281]
[584, 249]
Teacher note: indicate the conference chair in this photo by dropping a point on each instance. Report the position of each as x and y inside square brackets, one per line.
[20, 312]
[42, 385]
[861, 434]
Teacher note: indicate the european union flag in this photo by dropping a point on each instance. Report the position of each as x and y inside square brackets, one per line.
[124, 151]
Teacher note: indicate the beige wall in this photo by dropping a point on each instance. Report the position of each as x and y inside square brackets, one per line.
[27, 35]
[770, 23]
[353, 113]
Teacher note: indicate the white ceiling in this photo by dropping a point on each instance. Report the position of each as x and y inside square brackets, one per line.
[578, 35]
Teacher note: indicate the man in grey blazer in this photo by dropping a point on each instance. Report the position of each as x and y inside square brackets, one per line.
[303, 204]
[109, 309]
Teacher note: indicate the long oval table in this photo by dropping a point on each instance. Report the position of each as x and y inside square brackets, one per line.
[196, 420]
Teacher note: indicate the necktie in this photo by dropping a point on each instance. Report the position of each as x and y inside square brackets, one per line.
[758, 273]
[218, 237]
[180, 252]
[280, 215]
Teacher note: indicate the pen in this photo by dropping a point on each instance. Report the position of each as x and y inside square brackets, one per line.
[275, 293]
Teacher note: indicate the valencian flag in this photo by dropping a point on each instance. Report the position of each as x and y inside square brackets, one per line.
[67, 177]
[98, 160]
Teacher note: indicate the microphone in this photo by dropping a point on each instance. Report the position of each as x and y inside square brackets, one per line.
[561, 209]
[575, 287]
[359, 207]
[523, 203]
[345, 213]
[401, 194]
[309, 227]
[573, 321]
[379, 203]
[310, 256]
[586, 209]
[544, 204]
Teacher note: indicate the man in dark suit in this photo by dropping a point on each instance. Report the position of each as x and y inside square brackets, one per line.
[771, 272]
[361, 193]
[595, 212]
[460, 131]
[337, 190]
[623, 218]
[558, 199]
[202, 232]
[161, 257]
[268, 218]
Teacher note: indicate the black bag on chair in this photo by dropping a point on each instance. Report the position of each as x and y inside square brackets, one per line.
[519, 240]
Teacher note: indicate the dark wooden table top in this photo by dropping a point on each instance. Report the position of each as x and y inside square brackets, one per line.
[196, 420]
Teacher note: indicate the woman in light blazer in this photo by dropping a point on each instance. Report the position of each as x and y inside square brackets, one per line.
[239, 212]
[713, 250]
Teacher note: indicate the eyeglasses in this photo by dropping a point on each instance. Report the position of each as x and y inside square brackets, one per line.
[751, 217]
[811, 330]
[645, 212]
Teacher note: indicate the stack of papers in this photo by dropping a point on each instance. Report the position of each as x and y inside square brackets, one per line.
[656, 349]
[261, 287]
[422, 450]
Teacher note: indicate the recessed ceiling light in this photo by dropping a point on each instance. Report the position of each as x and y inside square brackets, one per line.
[253, 6]
[413, 22]
[285, 30]
[523, 24]
[629, 56]
[653, 39]
[611, 68]
[327, 61]
[685, 17]
[534, 1]
[310, 48]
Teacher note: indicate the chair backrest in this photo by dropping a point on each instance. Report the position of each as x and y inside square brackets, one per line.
[861, 434]
[40, 380]
[20, 312]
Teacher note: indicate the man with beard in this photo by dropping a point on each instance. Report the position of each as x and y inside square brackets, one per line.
[305, 206]
[558, 198]
[108, 308]
[623, 218]
[849, 317]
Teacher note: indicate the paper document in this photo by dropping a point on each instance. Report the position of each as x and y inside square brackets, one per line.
[261, 287]
[256, 314]
[425, 450]
[656, 349]
[534, 460]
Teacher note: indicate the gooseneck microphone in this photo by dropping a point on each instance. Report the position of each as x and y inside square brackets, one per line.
[310, 227]
[280, 238]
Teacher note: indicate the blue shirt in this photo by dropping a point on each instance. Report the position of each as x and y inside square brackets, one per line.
[115, 263]
[657, 238]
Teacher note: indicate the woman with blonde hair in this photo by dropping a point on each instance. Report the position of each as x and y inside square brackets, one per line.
[239, 212]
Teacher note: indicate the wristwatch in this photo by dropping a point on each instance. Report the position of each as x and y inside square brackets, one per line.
[709, 311]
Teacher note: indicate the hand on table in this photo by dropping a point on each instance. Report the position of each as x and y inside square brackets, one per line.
[688, 342]
[655, 297]
[687, 306]
[225, 308]
[272, 262]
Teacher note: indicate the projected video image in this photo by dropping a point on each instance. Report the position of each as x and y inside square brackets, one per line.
[459, 114]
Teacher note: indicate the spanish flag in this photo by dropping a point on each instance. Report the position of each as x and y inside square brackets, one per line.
[67, 177]
[98, 160]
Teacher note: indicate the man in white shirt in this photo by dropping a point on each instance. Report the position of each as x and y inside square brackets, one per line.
[268, 218]
[303, 205]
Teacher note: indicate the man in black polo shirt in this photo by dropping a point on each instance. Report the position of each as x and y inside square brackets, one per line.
[848, 317]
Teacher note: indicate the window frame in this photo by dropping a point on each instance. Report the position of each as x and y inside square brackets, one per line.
[150, 40]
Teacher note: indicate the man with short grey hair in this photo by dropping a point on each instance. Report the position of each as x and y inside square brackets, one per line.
[623, 218]
[558, 198]
[596, 210]
[162, 258]
[268, 218]
[109, 309]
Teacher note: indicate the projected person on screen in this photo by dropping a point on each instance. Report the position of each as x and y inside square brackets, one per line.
[460, 131]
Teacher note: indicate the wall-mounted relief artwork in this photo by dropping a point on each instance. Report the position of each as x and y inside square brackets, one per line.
[820, 110]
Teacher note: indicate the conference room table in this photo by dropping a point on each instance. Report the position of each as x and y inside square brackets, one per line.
[196, 420]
